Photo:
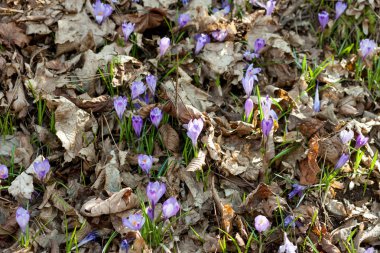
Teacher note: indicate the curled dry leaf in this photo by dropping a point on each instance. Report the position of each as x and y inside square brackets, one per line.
[197, 162]
[112, 180]
[309, 167]
[170, 138]
[22, 186]
[11, 34]
[212, 148]
[121, 201]
[149, 18]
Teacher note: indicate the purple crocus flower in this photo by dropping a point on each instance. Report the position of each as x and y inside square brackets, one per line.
[266, 105]
[150, 213]
[297, 190]
[202, 39]
[89, 237]
[101, 11]
[145, 162]
[154, 191]
[248, 108]
[317, 102]
[370, 250]
[340, 7]
[185, 2]
[134, 221]
[288, 246]
[291, 221]
[127, 29]
[124, 246]
[342, 161]
[138, 88]
[156, 116]
[3, 171]
[164, 45]
[219, 35]
[120, 103]
[137, 124]
[250, 56]
[259, 44]
[367, 47]
[22, 218]
[170, 207]
[261, 223]
[361, 141]
[151, 80]
[194, 129]
[41, 168]
[266, 126]
[323, 18]
[346, 136]
[183, 19]
[250, 78]
[269, 6]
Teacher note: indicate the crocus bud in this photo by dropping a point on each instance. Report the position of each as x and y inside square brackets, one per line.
[346, 136]
[101, 11]
[194, 128]
[170, 207]
[127, 29]
[138, 88]
[261, 223]
[248, 108]
[317, 102]
[340, 7]
[22, 218]
[297, 190]
[3, 171]
[342, 161]
[154, 191]
[137, 124]
[201, 40]
[259, 44]
[266, 126]
[156, 116]
[361, 141]
[323, 18]
[41, 169]
[120, 104]
[134, 221]
[164, 44]
[145, 162]
[151, 80]
[183, 19]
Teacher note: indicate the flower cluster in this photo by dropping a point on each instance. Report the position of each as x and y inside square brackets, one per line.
[258, 46]
[346, 136]
[269, 116]
[323, 16]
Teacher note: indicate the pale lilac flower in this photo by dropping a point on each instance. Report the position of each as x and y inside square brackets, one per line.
[170, 207]
[127, 29]
[154, 191]
[3, 171]
[266, 105]
[120, 103]
[151, 80]
[202, 39]
[248, 108]
[259, 44]
[185, 2]
[250, 56]
[101, 11]
[269, 6]
[250, 78]
[183, 19]
[290, 221]
[370, 250]
[145, 162]
[164, 45]
[156, 116]
[41, 168]
[288, 246]
[367, 47]
[138, 88]
[219, 35]
[137, 124]
[226, 8]
[261, 223]
[340, 7]
[346, 136]
[124, 246]
[194, 129]
[22, 218]
[342, 161]
[134, 221]
[360, 141]
[266, 126]
[317, 102]
[323, 19]
[297, 190]
[150, 213]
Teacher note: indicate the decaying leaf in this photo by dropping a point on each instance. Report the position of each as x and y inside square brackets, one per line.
[197, 162]
[22, 186]
[121, 201]
[11, 34]
[170, 138]
[309, 167]
[112, 174]
[149, 18]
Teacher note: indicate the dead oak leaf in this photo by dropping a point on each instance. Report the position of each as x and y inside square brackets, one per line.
[147, 20]
[309, 167]
[11, 34]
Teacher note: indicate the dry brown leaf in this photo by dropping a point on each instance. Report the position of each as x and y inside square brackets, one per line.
[112, 173]
[310, 126]
[97, 104]
[197, 162]
[150, 18]
[309, 167]
[170, 138]
[121, 201]
[11, 34]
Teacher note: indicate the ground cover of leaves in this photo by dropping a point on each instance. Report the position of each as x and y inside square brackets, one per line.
[281, 176]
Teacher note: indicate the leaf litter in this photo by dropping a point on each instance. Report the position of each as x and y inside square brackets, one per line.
[64, 65]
